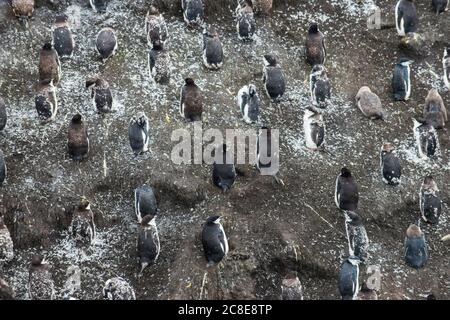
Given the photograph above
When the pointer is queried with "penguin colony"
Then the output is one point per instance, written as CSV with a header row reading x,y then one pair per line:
x,y
213,236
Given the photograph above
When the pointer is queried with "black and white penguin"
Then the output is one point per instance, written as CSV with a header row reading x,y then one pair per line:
x,y
430,201
426,139
291,288
434,111
118,289
159,63
138,133
406,19
45,101
401,80
82,227
265,155
49,65
446,67
391,170
416,250
144,202
273,78
346,193
62,37
246,24
155,26
212,49
191,101
440,6
349,278
314,128
3,170
193,11
320,87
223,173
248,103
367,293
99,5
78,139
358,241
40,282
148,246
3,114
100,94
23,9
369,103
106,43
315,46
6,243
214,240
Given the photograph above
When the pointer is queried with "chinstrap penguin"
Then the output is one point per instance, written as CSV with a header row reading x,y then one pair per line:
x,y
78,139
248,103
246,24
155,26
391,170
348,282
358,241
401,80
191,101
45,101
320,87
430,201
346,193
406,19
63,41
214,240
426,137
314,128
148,246
193,11
138,133
223,173
273,78
416,250
144,202
101,95
212,49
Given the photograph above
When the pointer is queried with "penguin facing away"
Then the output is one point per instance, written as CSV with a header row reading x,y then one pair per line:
x,y
426,139
40,282
138,133
101,95
49,65
358,241
106,43
273,78
6,244
155,25
191,101
314,128
148,245
320,87
193,11
369,104
224,174
315,46
246,24
401,80
144,202
406,19
78,139
346,193
430,201
212,49
248,103
434,111
46,102
348,282
118,289
82,226
391,170
63,41
214,240
416,250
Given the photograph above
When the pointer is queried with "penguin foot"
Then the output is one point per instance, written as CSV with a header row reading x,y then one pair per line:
x,y
279,181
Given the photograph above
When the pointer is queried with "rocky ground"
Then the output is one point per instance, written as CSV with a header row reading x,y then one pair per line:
x,y
272,229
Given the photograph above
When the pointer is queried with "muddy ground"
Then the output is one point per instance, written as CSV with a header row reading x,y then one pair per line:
x,y
272,229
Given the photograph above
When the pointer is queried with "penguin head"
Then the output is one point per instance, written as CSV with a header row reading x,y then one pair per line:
x,y
413,231
318,71
418,122
77,118
47,46
252,90
353,218
354,260
84,204
429,183
345,172
387,147
213,220
147,220
210,31
141,119
189,81
61,19
153,11
270,60
246,3
158,45
313,28
37,260
91,82
309,111
405,62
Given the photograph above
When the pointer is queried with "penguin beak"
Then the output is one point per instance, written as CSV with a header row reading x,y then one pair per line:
x,y
143,266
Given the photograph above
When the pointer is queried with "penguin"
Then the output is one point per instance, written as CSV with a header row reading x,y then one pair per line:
x,y
99,5
391,170
291,288
6,292
144,202
426,139
273,78
214,240
440,6
416,251
369,104
264,154
106,43
406,19
40,282
159,63
3,170
23,9
346,193
62,37
49,65
45,101
100,93
401,80
156,28
78,139
246,24
348,282
315,46
212,49
82,227
6,244
138,133
3,115
434,111
191,101
320,87
118,289
223,173
358,241
314,128
248,103
192,12
430,201
148,246
366,293
446,67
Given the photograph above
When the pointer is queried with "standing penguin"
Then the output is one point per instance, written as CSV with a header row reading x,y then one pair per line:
x,y
159,63
401,80
346,193
273,78
223,173
45,101
212,49
416,251
358,241
148,246
246,24
155,26
192,12
62,37
49,65
248,102
40,282
214,240
191,101
82,226
320,87
3,170
314,128
78,139
349,278
430,201
106,43
100,94
3,115
291,288
369,104
118,289
406,19
434,111
426,139
6,244
99,5
144,202
138,133
267,157
391,170
315,46
446,67
23,9
440,6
